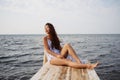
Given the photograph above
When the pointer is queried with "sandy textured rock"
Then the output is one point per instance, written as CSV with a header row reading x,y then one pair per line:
x,y
52,72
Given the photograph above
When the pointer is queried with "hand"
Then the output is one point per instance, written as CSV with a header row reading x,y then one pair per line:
x,y
60,56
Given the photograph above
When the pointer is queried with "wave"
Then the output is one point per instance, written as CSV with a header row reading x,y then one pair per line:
x,y
13,56
34,48
23,55
12,49
6,57
7,61
31,61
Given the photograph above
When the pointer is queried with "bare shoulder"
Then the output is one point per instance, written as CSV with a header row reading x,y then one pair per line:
x,y
44,38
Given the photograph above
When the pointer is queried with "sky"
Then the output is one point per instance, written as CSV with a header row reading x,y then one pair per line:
x,y
67,16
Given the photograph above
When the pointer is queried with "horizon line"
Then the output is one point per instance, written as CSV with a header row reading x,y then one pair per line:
x,y
61,34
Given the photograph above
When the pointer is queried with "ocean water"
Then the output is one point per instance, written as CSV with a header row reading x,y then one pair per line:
x,y
21,56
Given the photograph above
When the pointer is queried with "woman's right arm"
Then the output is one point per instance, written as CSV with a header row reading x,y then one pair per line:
x,y
46,47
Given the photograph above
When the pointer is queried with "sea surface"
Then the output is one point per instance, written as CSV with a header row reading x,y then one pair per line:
x,y
21,56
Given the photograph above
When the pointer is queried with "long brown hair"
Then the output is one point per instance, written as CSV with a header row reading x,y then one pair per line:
x,y
53,37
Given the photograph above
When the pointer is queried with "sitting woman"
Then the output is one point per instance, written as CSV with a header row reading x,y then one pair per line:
x,y
58,55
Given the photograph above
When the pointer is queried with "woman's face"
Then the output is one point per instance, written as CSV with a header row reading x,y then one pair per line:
x,y
47,29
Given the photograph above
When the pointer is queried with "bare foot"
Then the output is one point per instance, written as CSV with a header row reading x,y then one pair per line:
x,y
92,66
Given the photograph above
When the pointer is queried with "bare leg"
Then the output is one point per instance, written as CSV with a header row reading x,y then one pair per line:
x,y
65,62
67,48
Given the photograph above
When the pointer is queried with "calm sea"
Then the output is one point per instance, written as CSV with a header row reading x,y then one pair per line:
x,y
21,55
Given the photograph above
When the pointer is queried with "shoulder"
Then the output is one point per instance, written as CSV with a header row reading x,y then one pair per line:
x,y
44,38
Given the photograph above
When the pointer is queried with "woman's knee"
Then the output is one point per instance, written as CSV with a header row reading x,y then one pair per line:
x,y
67,44
65,47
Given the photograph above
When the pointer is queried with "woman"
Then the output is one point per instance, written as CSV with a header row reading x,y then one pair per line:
x,y
57,55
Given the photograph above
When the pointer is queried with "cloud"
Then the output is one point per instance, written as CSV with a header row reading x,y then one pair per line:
x,y
68,13
66,6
